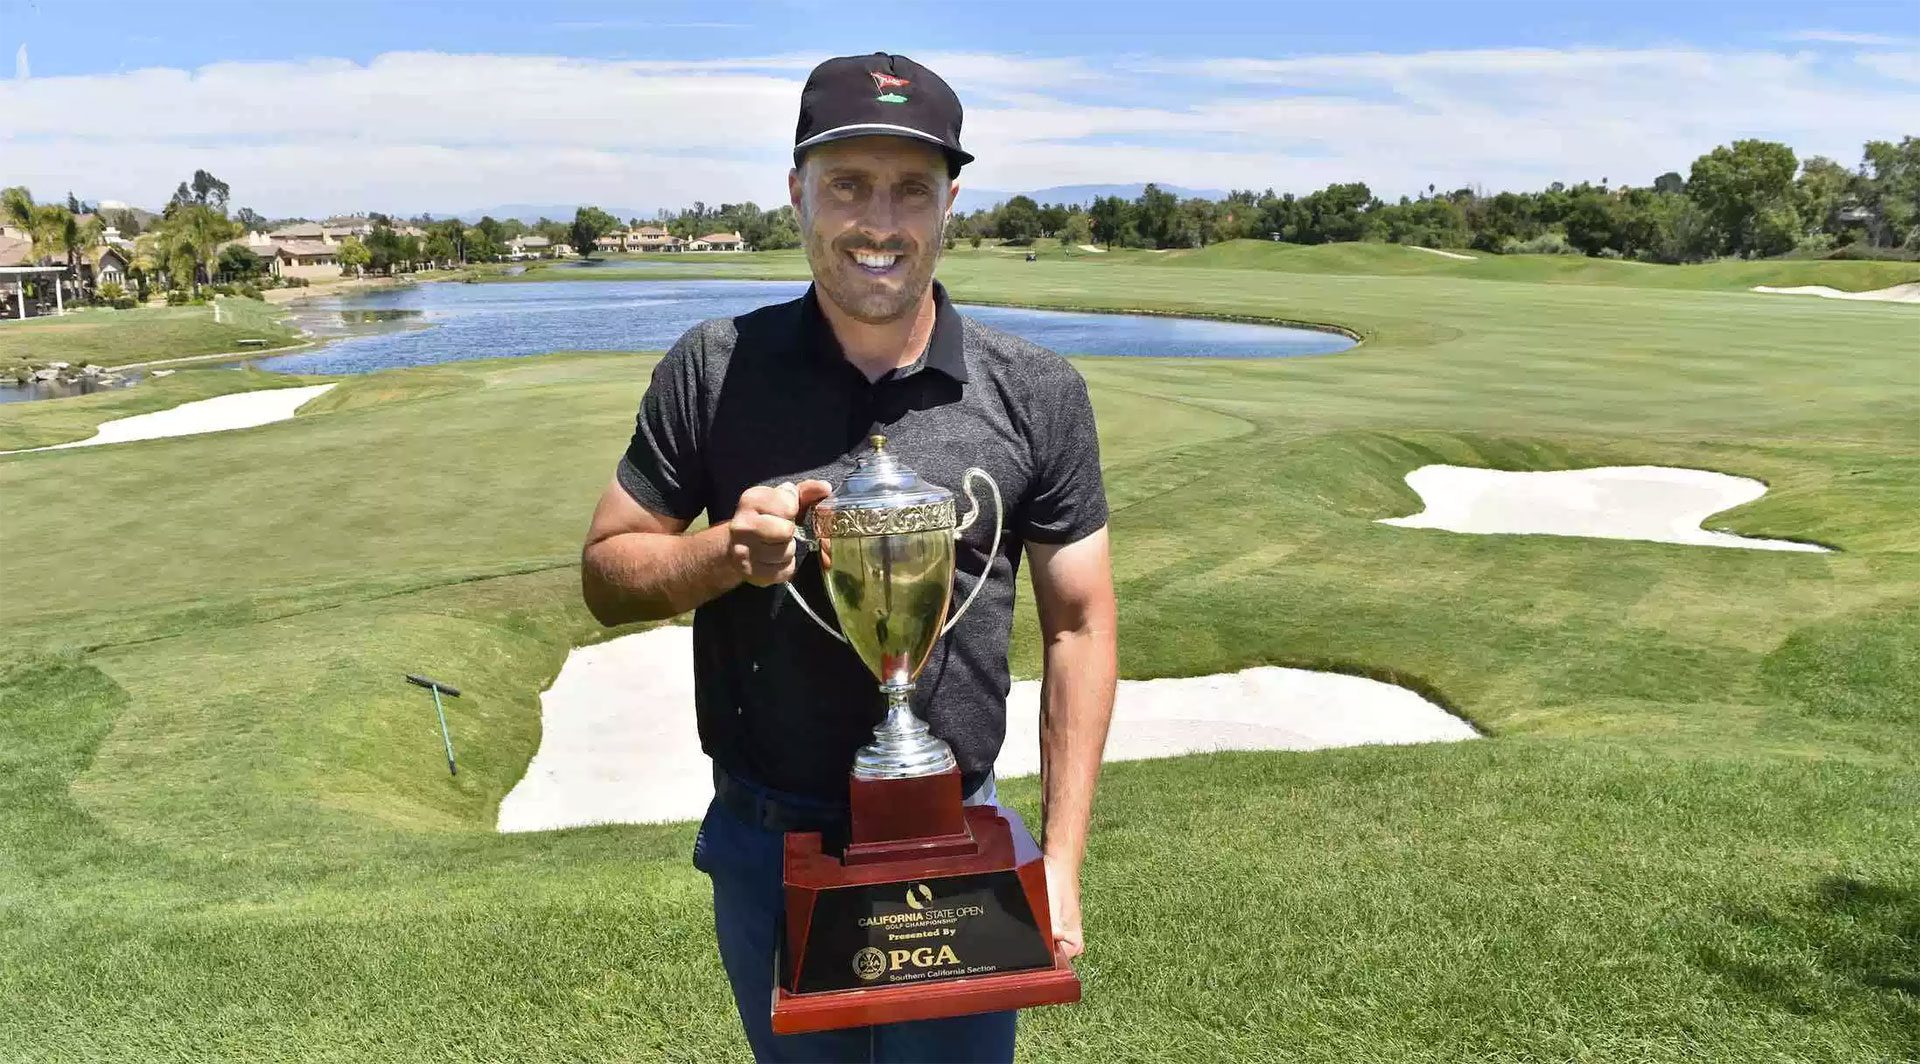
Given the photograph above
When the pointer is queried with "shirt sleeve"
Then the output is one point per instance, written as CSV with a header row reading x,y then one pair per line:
x,y
663,467
1067,500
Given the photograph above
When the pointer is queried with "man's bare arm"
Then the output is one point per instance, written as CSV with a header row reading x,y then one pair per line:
x,y
1073,587
638,565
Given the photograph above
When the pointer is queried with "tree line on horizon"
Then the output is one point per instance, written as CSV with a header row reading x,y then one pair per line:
x,y
1751,198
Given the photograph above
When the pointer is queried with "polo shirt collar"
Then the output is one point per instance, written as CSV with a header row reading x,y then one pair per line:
x,y
946,349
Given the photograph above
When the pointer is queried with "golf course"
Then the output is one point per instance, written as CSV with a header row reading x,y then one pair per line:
x,y
1689,831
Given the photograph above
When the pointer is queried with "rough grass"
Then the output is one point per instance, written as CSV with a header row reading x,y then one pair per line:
x,y
228,832
117,337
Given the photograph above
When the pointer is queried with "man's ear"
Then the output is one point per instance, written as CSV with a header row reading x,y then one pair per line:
x,y
793,188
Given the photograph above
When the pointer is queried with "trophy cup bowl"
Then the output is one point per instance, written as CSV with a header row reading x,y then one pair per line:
x,y
932,908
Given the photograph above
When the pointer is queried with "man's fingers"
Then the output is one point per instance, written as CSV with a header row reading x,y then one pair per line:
x,y
765,527
812,491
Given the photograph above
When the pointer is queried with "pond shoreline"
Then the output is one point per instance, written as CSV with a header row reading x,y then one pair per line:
x,y
348,294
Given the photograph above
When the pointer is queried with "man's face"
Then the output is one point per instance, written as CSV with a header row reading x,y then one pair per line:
x,y
872,212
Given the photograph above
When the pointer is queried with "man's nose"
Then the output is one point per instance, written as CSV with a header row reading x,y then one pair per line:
x,y
882,213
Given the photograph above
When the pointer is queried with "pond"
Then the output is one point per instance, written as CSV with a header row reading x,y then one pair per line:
x,y
450,322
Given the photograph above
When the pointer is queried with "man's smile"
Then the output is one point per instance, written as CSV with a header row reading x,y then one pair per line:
x,y
876,263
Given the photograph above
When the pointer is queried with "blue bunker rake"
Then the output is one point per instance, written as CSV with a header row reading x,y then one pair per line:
x,y
454,692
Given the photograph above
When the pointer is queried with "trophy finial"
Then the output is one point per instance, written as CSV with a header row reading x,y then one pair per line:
x,y
878,441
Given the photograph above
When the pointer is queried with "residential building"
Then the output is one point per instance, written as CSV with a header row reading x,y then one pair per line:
x,y
717,242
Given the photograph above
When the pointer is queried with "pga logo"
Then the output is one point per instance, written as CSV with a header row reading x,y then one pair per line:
x,y
871,963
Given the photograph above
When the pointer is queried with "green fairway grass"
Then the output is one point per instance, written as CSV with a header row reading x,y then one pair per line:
x,y
117,337
1353,259
227,830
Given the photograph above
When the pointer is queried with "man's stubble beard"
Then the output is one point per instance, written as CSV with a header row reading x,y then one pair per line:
x,y
830,266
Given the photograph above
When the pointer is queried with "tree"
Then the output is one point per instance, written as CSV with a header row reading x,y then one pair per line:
x,y
1590,225
1019,221
1077,230
354,255
238,262
1156,213
589,225
1736,185
209,191
1111,218
1670,184
1891,190
249,219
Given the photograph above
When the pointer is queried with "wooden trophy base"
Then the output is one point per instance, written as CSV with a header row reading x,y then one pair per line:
x,y
935,909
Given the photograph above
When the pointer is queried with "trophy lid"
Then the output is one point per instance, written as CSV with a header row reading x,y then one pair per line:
x,y
879,480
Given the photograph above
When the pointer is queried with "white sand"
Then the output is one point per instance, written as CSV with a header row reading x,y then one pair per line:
x,y
1656,503
618,744
1900,293
1095,248
240,410
1442,254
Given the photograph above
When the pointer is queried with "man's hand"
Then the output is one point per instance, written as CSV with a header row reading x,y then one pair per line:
x,y
1063,898
760,533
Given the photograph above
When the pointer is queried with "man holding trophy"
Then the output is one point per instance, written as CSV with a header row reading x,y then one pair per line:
x,y
872,900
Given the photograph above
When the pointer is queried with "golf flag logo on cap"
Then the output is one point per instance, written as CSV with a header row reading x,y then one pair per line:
x,y
884,84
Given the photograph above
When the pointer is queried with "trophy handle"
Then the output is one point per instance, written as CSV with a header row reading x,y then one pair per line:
x,y
804,541
999,519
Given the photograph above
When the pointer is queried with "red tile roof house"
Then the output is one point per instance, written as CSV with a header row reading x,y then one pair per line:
x,y
717,242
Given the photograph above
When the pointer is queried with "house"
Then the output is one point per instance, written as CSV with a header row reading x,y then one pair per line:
x,y
105,264
315,260
717,242
349,225
654,238
529,247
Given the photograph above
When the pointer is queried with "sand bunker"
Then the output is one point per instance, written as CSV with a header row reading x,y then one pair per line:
x,y
240,410
1096,249
1442,254
618,744
1900,293
1656,503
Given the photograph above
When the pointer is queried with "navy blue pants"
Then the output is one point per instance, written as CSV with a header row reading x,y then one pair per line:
x,y
743,860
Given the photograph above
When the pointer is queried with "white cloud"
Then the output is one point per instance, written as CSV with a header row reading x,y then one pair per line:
x,y
21,69
1900,66
411,131
1842,37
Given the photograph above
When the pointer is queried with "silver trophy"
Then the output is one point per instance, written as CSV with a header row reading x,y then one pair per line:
x,y
885,539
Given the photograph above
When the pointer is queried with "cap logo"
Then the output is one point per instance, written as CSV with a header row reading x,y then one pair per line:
x,y
885,83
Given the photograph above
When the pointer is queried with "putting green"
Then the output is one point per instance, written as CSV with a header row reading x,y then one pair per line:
x,y
228,830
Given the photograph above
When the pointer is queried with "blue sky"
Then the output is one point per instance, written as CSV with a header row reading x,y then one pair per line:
x,y
407,106
69,37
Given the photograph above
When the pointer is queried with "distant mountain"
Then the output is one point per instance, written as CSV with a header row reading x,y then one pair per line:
x,y
533,212
975,199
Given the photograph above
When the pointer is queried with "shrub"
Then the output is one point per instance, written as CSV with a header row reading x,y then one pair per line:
x,y
247,291
1869,252
176,297
124,303
974,241
296,282
112,291
1544,244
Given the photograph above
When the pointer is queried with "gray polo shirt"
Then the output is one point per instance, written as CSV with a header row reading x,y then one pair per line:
x,y
768,397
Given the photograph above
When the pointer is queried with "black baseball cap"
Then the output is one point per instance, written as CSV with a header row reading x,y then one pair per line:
x,y
878,95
